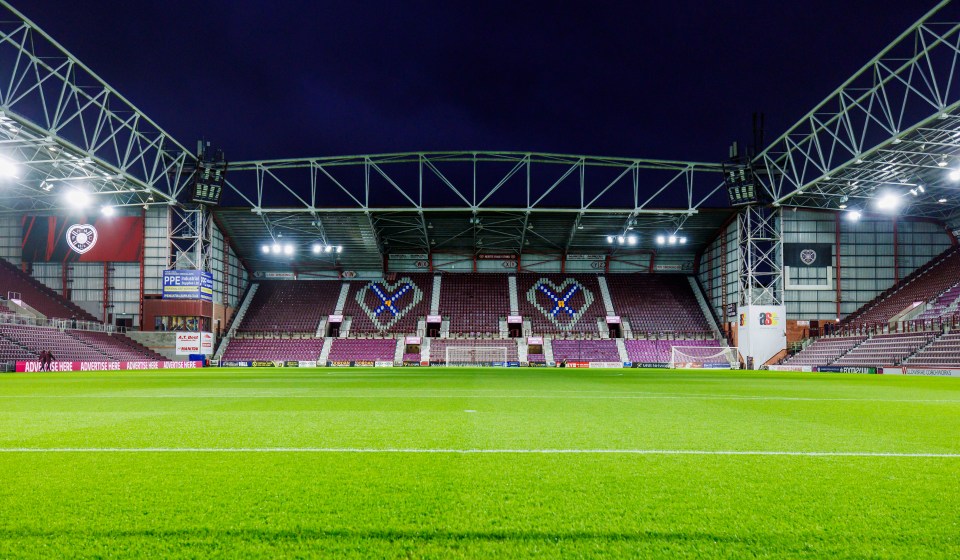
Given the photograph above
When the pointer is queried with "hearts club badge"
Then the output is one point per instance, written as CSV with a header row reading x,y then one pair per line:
x,y
808,256
81,238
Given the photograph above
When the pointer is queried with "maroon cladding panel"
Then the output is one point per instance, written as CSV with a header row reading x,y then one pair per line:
x,y
82,238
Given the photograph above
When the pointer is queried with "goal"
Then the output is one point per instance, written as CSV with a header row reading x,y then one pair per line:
x,y
704,357
476,356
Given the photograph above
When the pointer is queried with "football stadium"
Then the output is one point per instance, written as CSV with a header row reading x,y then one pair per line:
x,y
474,353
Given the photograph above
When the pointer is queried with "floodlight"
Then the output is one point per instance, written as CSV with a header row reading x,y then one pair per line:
x,y
683,240
609,239
843,206
108,210
661,240
266,249
888,201
328,248
7,168
620,239
316,248
288,249
913,192
942,162
921,189
276,249
77,198
632,240
672,239
942,200
954,175
339,249
853,215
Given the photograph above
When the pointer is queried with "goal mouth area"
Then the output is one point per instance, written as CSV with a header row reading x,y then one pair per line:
x,y
704,357
476,356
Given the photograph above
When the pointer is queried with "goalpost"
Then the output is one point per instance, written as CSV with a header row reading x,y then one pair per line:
x,y
476,355
704,357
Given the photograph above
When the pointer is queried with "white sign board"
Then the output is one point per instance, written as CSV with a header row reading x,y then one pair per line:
x,y
194,343
761,332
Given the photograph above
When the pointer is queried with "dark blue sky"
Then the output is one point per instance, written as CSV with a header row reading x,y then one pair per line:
x,y
673,80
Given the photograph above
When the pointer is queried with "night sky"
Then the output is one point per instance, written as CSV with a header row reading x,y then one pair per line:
x,y
673,80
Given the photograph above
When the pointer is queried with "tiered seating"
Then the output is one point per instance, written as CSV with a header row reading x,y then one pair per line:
x,y
943,304
398,312
11,351
411,357
945,351
246,349
593,350
537,358
923,287
660,351
475,303
116,346
587,304
65,348
290,306
38,296
885,349
366,349
656,303
438,347
824,351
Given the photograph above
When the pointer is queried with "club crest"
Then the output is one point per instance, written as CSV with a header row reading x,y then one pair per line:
x,y
81,238
563,305
387,303
808,256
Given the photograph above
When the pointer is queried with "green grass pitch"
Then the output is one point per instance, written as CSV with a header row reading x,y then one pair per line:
x,y
365,463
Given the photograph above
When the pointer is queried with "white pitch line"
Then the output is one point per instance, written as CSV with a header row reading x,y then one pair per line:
x,y
488,396
414,451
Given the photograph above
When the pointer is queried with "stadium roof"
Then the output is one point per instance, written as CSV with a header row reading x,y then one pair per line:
x,y
890,130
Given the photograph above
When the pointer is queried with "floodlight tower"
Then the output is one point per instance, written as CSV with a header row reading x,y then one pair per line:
x,y
761,311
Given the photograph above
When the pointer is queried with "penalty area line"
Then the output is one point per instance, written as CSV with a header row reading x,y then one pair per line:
x,y
415,451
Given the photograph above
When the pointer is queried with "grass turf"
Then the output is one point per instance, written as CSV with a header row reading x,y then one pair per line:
x,y
294,497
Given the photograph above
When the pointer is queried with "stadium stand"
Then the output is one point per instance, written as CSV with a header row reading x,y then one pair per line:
x,y
659,351
393,305
63,346
943,351
656,304
943,305
824,351
290,306
537,294
590,350
924,285
475,303
115,346
38,296
11,351
363,349
243,349
885,349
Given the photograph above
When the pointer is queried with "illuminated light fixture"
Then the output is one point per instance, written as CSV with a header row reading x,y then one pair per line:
x,y
316,249
339,249
683,240
897,140
942,162
921,189
609,239
661,240
7,168
913,192
888,202
108,211
579,226
77,198
942,200
672,239
954,175
328,248
265,249
632,240
853,215
288,249
620,239
276,249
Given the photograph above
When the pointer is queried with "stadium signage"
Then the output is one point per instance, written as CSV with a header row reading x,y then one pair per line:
x,y
276,275
334,318
187,284
613,320
34,367
534,340
936,372
791,368
605,365
194,343
808,255
586,257
846,369
382,363
432,319
651,365
512,319
494,257
679,267
412,340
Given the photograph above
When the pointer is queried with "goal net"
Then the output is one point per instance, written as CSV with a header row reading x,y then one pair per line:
x,y
476,355
704,357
